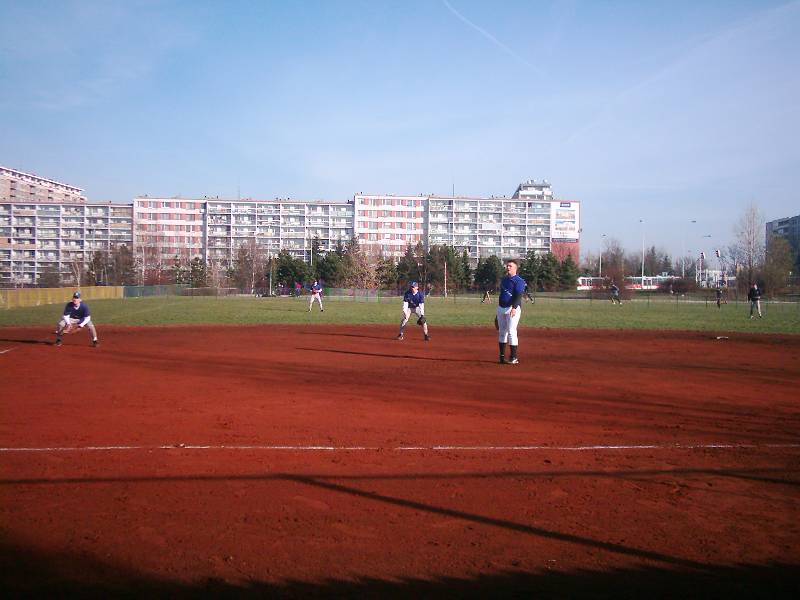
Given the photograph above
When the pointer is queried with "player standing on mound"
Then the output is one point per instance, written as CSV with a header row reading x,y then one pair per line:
x,y
316,294
76,314
509,311
414,300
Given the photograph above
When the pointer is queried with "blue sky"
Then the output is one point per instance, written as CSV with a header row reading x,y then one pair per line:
x,y
663,111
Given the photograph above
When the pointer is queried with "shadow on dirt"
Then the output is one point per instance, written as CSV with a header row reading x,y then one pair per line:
x,y
33,574
50,342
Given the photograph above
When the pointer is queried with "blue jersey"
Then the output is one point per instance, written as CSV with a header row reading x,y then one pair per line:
x,y
414,300
511,290
80,313
316,288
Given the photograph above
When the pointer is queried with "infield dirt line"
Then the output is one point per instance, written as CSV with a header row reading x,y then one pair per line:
x,y
591,448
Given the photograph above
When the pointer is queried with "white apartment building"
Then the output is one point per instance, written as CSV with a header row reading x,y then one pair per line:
x,y
18,186
46,225
39,237
388,224
275,225
531,220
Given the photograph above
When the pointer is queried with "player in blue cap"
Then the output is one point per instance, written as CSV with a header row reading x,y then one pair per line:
x,y
76,314
414,300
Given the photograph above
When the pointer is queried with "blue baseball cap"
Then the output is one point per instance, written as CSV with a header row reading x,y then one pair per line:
x,y
76,295
414,284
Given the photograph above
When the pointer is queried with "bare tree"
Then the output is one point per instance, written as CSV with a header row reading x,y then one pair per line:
x,y
749,244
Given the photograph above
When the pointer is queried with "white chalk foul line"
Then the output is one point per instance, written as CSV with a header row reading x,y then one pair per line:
x,y
410,448
7,350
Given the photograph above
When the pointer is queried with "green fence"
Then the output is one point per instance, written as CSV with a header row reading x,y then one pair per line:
x,y
143,291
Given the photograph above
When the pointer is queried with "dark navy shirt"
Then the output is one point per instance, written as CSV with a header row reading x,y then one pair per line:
x,y
316,288
414,300
80,313
511,288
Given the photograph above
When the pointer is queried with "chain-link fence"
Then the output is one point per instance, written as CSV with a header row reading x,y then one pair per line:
x,y
145,291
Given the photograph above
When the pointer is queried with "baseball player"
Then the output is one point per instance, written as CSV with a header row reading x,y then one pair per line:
x,y
615,294
718,295
509,311
754,295
316,294
76,314
414,300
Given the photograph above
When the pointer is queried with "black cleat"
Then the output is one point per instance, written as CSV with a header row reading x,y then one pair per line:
x,y
427,338
95,343
58,342
502,360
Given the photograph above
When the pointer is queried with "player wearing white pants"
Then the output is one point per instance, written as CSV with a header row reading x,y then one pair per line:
x,y
414,301
507,325
76,312
509,311
316,294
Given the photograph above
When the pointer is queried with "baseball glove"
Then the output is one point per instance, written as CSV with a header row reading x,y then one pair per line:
x,y
496,323
70,329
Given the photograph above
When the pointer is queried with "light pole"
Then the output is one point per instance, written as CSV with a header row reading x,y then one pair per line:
x,y
600,273
683,257
702,256
642,222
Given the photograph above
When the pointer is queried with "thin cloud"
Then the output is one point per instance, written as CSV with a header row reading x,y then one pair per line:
x,y
491,38
752,28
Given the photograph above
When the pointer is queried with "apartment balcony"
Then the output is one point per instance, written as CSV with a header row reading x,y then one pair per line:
x,y
25,212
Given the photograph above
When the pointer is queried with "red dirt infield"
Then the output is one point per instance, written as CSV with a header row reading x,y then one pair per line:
x,y
324,461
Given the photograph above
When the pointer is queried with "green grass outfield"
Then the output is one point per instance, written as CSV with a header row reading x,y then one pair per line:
x,y
546,312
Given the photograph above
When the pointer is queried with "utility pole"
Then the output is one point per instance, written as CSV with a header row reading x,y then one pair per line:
x,y
445,278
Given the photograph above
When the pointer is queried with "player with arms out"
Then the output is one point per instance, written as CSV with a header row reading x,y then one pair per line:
x,y
76,315
509,311
316,294
414,300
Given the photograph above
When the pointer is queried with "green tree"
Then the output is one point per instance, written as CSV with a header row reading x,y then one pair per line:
x,y
549,272
50,277
530,270
198,272
316,256
123,266
97,269
387,273
488,273
466,270
408,267
568,274
290,269
329,269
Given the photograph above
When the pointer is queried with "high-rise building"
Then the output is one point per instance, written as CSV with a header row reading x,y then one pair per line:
x,y
788,228
17,186
47,226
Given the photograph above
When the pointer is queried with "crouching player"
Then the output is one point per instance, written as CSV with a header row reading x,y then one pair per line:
x,y
414,300
76,314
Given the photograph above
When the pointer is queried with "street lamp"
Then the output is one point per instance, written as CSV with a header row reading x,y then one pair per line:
x,y
702,257
683,257
642,222
600,274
